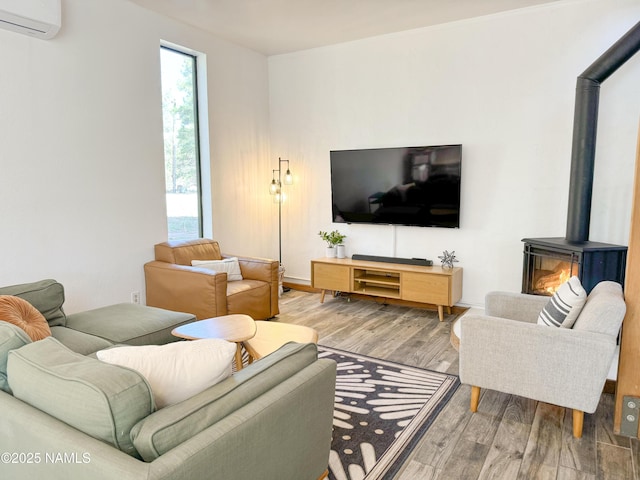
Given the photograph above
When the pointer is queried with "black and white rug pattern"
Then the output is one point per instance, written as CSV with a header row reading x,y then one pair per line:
x,y
381,410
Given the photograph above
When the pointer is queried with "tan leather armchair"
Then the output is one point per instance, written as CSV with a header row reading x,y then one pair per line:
x,y
172,283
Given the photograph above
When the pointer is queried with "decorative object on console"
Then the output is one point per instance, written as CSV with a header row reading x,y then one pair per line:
x,y
275,189
334,239
447,259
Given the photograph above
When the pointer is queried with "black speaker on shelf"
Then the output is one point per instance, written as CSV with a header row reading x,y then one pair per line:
x,y
405,261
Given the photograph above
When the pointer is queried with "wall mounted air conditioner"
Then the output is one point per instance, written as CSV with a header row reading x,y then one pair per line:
x,y
37,18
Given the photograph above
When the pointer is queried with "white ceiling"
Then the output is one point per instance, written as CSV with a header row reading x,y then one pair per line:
x,y
282,26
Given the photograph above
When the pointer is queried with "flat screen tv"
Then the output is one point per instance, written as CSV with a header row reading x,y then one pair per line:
x,y
417,186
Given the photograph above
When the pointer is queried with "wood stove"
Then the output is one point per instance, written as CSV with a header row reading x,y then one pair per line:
x,y
549,262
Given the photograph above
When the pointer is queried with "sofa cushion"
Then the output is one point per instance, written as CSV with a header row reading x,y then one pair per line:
x,y
130,324
104,401
22,314
179,370
230,266
11,337
604,310
46,295
79,342
565,305
171,426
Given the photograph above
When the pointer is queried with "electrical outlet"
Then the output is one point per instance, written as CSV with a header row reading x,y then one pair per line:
x,y
135,297
630,414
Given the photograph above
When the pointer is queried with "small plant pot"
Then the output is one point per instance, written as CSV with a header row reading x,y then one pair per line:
x,y
340,252
331,252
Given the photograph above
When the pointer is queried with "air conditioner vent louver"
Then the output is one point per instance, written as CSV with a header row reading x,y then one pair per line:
x,y
37,18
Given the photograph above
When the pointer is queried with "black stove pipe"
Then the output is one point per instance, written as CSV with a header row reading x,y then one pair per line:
x,y
585,122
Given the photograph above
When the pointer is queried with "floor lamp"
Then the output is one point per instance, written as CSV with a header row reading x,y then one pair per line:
x,y
275,189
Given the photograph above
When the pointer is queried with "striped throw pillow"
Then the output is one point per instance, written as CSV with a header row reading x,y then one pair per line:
x,y
565,305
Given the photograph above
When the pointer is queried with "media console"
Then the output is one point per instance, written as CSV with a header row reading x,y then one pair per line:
x,y
424,284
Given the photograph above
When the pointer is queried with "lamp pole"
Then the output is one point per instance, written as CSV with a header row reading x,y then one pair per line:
x,y
280,212
276,189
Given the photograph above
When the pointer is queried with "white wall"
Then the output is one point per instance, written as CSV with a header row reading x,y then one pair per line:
x,y
504,87
81,166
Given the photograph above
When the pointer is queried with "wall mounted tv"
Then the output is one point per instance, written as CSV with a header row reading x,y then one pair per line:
x,y
417,186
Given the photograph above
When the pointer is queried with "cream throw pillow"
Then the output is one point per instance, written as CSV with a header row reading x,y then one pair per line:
x,y
565,305
178,370
230,266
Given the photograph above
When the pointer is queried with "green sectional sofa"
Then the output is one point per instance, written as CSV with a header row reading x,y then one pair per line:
x,y
67,415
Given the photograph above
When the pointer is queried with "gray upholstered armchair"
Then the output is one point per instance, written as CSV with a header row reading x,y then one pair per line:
x,y
506,350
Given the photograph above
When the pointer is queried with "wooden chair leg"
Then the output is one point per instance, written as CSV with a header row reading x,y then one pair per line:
x,y
324,475
475,398
578,421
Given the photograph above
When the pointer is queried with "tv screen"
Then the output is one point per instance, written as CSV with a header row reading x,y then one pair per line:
x,y
417,186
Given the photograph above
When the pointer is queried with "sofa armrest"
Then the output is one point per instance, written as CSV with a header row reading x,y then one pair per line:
x,y
515,306
287,432
199,291
86,457
555,365
254,268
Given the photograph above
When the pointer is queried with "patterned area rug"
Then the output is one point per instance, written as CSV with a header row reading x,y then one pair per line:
x,y
381,411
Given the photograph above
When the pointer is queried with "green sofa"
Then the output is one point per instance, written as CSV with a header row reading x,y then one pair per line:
x,y
67,415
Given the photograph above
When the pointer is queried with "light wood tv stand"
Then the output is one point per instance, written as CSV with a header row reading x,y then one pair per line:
x,y
433,285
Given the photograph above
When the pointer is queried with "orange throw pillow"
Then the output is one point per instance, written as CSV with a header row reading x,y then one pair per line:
x,y
24,315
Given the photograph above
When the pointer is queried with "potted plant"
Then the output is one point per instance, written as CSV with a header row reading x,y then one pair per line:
x,y
333,239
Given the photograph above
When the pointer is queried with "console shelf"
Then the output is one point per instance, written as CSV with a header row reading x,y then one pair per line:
x,y
433,285
376,282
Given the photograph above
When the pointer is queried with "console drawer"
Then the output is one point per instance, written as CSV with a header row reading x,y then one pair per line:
x,y
425,288
331,277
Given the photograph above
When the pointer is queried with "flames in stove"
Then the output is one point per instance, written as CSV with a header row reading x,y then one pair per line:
x,y
546,282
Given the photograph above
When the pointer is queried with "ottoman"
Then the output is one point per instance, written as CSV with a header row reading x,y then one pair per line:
x,y
129,323
270,336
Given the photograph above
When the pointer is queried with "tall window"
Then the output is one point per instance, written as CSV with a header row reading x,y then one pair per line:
x,y
181,144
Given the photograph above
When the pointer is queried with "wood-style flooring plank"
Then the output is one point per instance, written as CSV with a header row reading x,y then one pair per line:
x,y
439,443
521,409
577,453
504,458
542,454
566,473
484,423
614,463
414,470
635,457
466,460
604,423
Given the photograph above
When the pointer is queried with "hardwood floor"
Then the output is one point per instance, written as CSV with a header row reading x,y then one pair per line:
x,y
508,438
